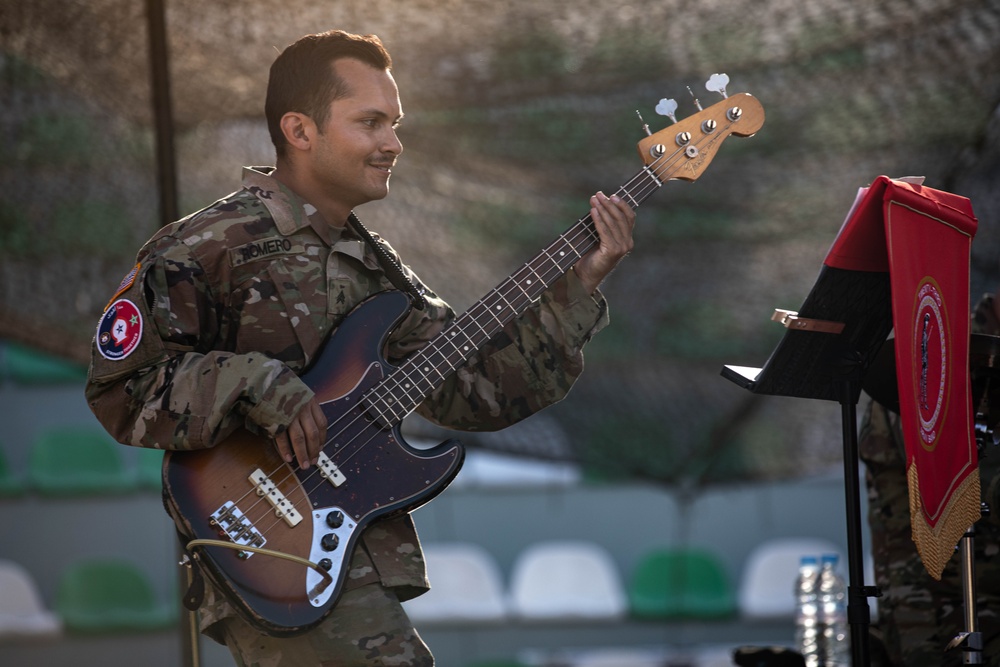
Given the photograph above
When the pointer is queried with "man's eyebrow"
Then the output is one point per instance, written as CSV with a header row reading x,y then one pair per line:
x,y
378,113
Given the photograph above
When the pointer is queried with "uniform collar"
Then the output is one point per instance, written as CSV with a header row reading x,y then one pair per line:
x,y
292,213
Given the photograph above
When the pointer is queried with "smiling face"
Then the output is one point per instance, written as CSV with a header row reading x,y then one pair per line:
x,y
353,152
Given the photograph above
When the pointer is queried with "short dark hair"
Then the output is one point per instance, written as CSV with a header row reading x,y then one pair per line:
x,y
302,78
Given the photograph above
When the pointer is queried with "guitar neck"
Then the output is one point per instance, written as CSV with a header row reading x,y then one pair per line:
x,y
403,390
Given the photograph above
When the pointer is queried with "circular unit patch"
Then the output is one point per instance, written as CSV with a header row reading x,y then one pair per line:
x,y
930,361
119,331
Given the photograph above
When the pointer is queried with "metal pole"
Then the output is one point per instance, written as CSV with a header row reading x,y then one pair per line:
x,y
858,611
971,640
166,173
163,119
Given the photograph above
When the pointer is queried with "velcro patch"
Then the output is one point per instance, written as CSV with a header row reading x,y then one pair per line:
x,y
263,249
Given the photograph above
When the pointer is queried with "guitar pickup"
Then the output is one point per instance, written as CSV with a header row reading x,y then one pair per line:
x,y
329,471
268,489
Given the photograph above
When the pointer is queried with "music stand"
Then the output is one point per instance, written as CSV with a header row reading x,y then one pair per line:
x,y
828,347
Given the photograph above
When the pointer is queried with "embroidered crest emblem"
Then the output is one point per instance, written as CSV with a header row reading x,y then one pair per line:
x,y
930,362
119,331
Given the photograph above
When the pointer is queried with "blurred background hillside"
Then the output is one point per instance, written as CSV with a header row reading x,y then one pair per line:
x,y
515,112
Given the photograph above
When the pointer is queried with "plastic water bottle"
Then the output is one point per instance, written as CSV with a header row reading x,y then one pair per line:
x,y
834,639
807,620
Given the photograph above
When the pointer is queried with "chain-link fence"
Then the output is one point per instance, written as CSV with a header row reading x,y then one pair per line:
x,y
515,112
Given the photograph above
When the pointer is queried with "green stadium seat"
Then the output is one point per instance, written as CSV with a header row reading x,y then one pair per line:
x,y
679,584
10,483
149,468
109,596
24,365
78,461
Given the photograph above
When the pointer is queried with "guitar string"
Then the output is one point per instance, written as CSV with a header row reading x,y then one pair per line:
x,y
581,231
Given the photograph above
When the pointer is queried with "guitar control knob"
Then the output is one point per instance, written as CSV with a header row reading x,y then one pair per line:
x,y
326,564
330,542
335,519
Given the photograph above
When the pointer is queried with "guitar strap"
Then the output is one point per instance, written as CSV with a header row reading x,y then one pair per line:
x,y
393,271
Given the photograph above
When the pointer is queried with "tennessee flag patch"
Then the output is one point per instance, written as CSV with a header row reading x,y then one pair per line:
x,y
119,331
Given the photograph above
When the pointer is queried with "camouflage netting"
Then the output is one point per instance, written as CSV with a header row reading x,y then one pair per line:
x,y
516,111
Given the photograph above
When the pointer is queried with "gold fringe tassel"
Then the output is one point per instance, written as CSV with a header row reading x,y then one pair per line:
x,y
936,545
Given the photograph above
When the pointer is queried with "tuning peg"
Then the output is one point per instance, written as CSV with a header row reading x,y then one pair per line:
x,y
697,102
717,84
667,107
645,127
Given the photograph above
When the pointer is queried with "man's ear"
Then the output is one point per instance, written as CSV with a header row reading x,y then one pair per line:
x,y
299,130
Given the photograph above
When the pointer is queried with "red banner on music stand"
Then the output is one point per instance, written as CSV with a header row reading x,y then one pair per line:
x,y
923,237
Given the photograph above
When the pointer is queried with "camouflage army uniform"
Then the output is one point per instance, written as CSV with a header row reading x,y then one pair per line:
x,y
917,615
228,305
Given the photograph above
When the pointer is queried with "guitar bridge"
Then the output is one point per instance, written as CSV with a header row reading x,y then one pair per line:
x,y
232,523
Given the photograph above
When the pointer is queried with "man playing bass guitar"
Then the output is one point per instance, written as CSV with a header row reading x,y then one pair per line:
x,y
226,308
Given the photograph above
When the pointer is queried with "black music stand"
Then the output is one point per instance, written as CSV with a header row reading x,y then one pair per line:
x,y
829,345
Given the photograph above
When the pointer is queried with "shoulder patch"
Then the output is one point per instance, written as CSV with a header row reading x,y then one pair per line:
x,y
263,249
119,331
126,283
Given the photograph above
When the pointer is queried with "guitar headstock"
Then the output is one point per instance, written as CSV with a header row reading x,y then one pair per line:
x,y
686,148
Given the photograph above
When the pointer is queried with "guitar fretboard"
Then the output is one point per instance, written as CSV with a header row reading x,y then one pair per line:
x,y
398,394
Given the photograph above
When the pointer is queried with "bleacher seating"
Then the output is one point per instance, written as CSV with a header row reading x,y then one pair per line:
x,y
566,580
681,583
466,586
767,582
27,366
149,468
111,595
70,460
11,483
22,611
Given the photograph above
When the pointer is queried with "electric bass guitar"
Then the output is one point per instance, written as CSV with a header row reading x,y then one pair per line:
x,y
278,540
